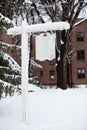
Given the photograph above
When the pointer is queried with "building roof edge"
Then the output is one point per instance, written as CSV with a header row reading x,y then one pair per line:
x,y
79,22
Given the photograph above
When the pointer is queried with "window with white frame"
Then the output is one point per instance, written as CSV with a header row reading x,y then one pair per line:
x,y
81,72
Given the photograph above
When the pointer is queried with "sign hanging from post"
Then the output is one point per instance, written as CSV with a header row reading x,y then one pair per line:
x,y
24,30
45,46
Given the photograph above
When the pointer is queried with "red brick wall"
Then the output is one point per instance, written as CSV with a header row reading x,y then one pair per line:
x,y
8,39
45,78
5,38
79,46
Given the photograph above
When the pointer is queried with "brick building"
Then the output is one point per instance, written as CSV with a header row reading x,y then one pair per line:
x,y
79,55
77,71
46,74
8,39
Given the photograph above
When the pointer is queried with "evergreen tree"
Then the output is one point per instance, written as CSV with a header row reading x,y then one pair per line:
x,y
10,74
18,10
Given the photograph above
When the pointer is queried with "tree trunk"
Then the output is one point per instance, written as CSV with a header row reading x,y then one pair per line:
x,y
62,62
62,69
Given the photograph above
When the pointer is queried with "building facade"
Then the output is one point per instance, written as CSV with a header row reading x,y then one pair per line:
x,y
79,53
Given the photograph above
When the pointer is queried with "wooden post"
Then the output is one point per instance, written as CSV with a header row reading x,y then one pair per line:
x,y
24,80
24,30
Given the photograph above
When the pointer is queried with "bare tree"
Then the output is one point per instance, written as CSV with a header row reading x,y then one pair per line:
x,y
64,10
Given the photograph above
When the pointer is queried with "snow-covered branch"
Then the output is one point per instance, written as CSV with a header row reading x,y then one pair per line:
x,y
12,63
5,19
5,46
77,23
4,22
34,64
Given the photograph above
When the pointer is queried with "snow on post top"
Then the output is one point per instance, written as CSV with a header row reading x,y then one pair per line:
x,y
49,26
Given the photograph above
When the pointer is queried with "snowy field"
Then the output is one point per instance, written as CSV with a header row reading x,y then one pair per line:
x,y
49,109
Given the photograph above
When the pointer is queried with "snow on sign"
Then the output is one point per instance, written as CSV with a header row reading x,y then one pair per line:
x,y
45,46
24,30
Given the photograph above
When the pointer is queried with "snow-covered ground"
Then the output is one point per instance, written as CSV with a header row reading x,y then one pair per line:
x,y
49,109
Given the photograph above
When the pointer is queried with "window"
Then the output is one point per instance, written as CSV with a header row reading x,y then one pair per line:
x,y
52,62
81,72
52,74
80,55
80,36
41,73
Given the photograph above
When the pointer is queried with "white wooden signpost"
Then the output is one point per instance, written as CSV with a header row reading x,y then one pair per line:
x,y
24,30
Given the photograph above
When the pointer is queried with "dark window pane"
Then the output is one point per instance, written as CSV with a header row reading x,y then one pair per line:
x,y
80,36
52,62
41,73
80,55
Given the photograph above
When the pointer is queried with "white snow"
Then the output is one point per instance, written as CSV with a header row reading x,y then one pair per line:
x,y
45,46
49,109
49,26
28,2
